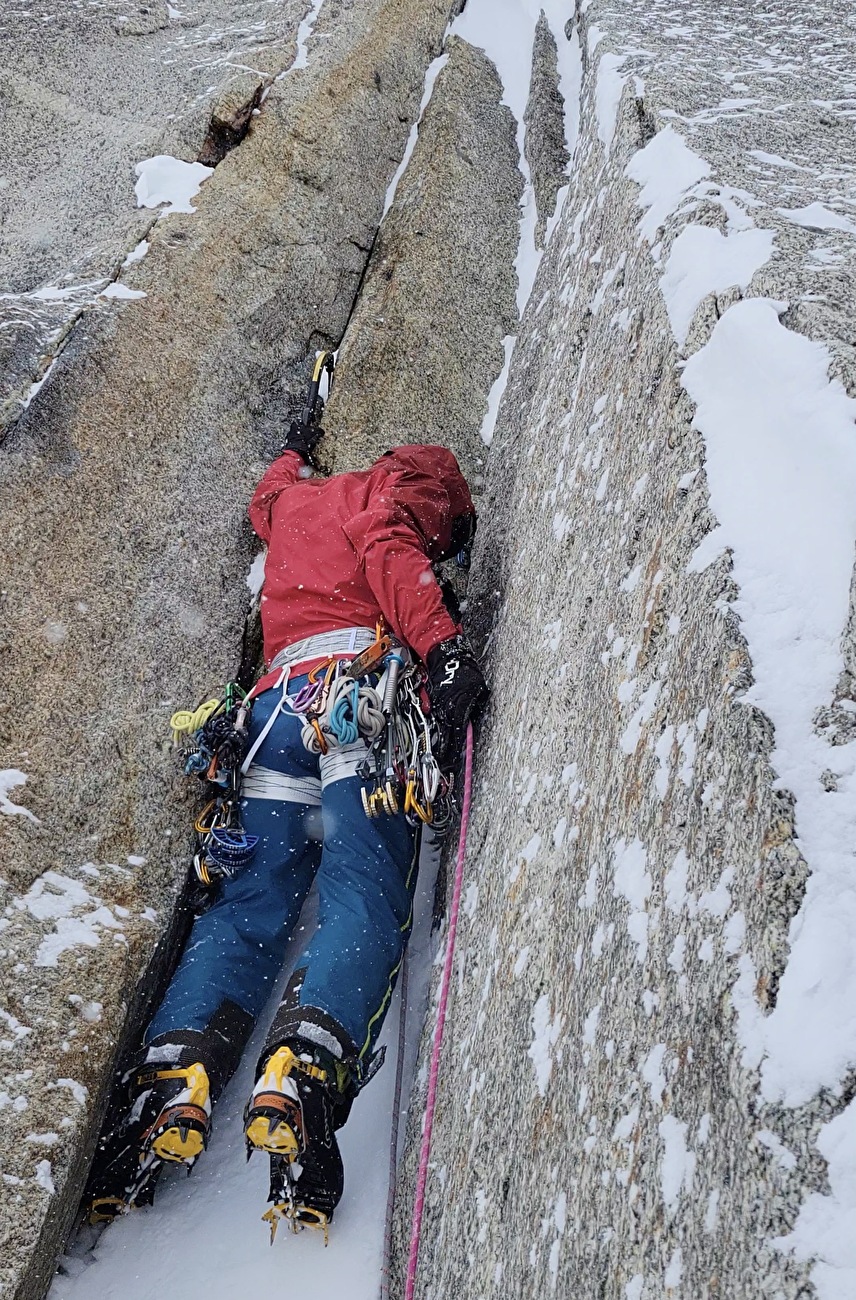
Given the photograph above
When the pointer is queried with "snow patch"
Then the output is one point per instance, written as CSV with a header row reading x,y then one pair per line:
x,y
434,69
56,897
10,777
170,181
781,467
678,1167
632,881
610,84
136,254
546,1029
117,290
777,1148
633,731
497,389
814,216
703,261
823,1231
665,169
653,1073
674,1272
708,551
304,31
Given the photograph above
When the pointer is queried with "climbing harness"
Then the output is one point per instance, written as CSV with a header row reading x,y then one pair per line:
x,y
377,697
214,738
400,769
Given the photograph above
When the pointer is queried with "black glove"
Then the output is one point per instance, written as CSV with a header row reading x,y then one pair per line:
x,y
458,692
302,438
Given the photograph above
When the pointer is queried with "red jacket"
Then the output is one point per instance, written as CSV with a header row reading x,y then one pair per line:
x,y
344,550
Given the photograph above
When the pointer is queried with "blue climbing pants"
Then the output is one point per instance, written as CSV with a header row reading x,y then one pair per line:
x,y
307,812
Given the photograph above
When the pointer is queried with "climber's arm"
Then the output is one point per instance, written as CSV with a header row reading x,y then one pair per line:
x,y
400,575
284,471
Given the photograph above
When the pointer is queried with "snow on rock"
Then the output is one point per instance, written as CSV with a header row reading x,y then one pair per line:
x,y
164,180
653,1074
14,1027
632,881
824,1231
117,290
434,69
256,576
505,30
57,897
678,1166
546,1029
816,216
781,465
136,254
11,777
701,261
669,219
665,169
674,1272
77,1090
777,1148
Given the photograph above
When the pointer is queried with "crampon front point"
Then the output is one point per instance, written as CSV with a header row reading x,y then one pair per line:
x,y
287,1203
275,1121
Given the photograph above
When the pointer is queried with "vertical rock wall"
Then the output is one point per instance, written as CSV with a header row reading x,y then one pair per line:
x,y
633,871
424,344
123,494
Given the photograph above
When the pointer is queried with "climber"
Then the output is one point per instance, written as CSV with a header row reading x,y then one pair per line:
x,y
345,555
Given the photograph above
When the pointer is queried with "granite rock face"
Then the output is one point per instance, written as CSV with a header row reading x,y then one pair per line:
x,y
123,495
633,869
90,91
424,344
545,145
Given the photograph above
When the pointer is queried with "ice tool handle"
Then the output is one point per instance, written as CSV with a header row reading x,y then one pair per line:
x,y
310,414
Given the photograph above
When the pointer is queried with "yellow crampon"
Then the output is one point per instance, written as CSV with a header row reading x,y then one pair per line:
x,y
104,1209
274,1117
318,1222
180,1132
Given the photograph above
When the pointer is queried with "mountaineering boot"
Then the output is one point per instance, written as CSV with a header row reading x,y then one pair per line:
x,y
167,1120
183,1099
292,1116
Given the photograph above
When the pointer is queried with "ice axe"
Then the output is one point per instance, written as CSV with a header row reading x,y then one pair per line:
x,y
313,407
305,433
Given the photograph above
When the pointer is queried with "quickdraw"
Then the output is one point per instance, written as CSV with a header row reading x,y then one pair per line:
x,y
214,739
400,763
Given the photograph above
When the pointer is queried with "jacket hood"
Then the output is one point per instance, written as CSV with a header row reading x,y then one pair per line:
x,y
433,490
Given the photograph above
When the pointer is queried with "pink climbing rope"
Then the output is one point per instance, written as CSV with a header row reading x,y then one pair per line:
x,y
431,1101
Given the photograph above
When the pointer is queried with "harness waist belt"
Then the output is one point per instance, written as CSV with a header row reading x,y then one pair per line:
x,y
344,640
